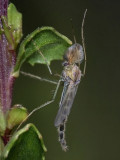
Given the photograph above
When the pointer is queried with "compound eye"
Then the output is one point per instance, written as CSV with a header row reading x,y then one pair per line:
x,y
65,57
65,63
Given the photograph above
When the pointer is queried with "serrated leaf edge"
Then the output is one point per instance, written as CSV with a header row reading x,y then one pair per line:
x,y
29,37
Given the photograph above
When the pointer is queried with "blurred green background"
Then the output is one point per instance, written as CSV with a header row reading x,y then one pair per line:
x,y
93,130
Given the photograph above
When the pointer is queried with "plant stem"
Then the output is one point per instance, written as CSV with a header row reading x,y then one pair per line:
x,y
7,62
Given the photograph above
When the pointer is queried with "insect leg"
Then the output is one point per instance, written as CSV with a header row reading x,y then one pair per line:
x,y
41,106
42,56
37,77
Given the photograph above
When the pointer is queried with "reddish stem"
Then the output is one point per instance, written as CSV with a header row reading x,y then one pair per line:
x,y
6,136
7,62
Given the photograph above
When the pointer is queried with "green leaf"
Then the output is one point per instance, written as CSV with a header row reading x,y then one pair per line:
x,y
15,23
1,147
2,123
12,26
7,31
47,40
16,115
26,144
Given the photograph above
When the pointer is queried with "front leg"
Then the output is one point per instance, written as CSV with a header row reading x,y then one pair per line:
x,y
38,78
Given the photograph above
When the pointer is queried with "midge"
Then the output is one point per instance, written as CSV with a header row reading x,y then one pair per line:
x,y
71,76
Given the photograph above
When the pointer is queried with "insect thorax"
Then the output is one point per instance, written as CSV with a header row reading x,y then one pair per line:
x,y
72,72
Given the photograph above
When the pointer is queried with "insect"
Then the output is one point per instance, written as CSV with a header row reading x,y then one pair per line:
x,y
71,76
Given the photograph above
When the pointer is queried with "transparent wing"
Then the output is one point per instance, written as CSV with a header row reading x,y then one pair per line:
x,y
68,95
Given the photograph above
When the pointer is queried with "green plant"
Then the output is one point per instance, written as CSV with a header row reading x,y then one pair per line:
x,y
26,143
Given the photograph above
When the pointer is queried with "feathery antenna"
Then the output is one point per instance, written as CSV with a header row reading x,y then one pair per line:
x,y
73,31
83,43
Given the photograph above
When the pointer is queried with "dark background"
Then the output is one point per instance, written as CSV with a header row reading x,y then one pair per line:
x,y
93,131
